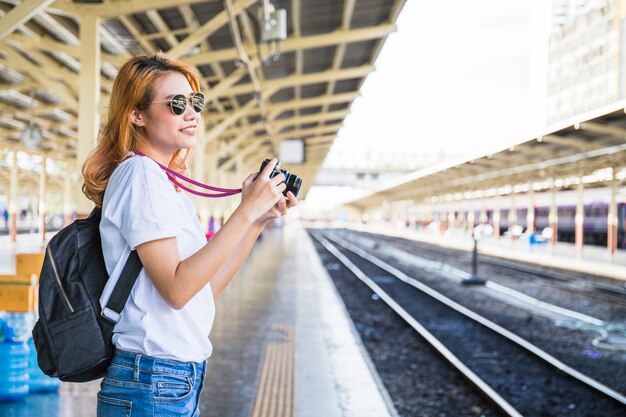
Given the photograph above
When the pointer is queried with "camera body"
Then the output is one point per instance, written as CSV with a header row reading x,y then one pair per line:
x,y
292,181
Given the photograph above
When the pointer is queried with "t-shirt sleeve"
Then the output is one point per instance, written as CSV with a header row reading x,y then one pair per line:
x,y
142,203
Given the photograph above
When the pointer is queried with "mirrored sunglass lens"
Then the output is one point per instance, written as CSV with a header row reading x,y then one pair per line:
x,y
197,101
178,104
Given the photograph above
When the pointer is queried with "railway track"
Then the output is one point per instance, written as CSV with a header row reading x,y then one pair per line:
x,y
491,266
517,376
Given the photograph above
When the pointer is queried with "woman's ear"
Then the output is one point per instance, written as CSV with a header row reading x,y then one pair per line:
x,y
136,117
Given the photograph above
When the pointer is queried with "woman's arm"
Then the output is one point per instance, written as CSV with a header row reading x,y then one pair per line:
x,y
232,265
179,281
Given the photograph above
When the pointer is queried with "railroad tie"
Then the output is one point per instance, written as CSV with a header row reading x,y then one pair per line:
x,y
275,390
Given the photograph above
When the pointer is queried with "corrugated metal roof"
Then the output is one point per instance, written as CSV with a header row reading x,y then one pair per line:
x,y
328,51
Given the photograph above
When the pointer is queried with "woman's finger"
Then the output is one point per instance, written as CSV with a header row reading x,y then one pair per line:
x,y
291,199
282,206
278,179
250,179
269,167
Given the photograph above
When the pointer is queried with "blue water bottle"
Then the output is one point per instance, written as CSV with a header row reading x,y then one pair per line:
x,y
14,369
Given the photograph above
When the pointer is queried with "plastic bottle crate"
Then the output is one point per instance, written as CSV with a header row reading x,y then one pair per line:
x,y
14,370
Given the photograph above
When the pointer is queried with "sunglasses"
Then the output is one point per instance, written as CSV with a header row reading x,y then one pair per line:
x,y
178,103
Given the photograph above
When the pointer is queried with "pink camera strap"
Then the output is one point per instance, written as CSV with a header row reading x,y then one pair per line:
x,y
221,192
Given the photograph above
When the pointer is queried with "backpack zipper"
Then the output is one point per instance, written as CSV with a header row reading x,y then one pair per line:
x,y
56,275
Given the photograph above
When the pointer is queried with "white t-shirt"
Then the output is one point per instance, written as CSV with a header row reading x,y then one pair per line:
x,y
140,204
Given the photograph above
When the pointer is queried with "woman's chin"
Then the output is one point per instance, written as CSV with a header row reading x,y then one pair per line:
x,y
187,141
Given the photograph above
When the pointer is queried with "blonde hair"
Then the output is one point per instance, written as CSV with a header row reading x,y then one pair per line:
x,y
133,88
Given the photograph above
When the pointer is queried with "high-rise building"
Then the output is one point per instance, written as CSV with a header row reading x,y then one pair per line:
x,y
586,56
564,11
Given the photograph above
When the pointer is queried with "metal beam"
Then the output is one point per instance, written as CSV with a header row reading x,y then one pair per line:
x,y
229,121
312,118
37,73
20,15
207,29
314,131
571,142
305,42
311,78
313,102
131,26
115,8
48,44
606,129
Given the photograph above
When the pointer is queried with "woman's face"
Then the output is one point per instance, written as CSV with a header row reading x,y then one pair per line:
x,y
166,131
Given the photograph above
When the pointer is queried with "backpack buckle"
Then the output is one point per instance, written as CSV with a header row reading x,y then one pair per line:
x,y
109,316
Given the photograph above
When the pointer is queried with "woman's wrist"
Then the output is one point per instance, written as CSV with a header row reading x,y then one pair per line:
x,y
246,215
261,222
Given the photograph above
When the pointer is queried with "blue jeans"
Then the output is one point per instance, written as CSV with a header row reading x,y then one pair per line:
x,y
137,385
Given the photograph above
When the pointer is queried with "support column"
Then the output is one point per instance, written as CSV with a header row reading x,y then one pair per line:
x,y
42,199
611,240
496,222
553,218
451,221
471,220
89,98
579,219
512,214
13,199
530,214
483,213
496,219
67,196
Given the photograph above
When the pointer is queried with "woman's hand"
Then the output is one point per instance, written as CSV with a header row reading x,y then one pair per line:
x,y
261,194
280,208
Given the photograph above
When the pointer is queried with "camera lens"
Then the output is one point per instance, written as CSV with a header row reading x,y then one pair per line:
x,y
293,183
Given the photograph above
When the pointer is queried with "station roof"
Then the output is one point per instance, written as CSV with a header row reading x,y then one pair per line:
x,y
255,102
576,147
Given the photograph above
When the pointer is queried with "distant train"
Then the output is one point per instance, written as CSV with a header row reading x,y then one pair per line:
x,y
594,223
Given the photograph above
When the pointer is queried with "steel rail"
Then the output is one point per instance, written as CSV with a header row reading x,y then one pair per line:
x,y
603,291
484,321
445,270
485,388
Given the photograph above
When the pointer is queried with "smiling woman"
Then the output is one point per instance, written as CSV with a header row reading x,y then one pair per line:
x,y
161,343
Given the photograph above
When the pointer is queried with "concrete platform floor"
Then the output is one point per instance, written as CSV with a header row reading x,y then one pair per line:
x,y
281,299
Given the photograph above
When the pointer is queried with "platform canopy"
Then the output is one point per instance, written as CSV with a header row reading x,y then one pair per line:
x,y
257,99
559,154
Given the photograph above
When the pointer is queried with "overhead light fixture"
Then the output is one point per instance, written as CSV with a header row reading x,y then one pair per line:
x,y
272,27
31,136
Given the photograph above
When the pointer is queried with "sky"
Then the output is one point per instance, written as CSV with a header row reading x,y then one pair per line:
x,y
456,77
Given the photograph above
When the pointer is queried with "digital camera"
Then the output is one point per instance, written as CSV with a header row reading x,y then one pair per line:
x,y
292,181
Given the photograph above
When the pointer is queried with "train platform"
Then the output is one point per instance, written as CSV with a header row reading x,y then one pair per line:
x,y
593,260
283,343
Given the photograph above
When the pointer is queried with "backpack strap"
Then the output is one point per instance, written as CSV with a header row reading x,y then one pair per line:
x,y
122,288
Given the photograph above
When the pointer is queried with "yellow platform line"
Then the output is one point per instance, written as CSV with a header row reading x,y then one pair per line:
x,y
275,390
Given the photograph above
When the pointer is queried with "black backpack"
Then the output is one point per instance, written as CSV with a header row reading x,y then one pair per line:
x,y
72,337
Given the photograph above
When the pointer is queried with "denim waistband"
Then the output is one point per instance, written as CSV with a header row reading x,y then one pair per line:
x,y
157,365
